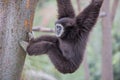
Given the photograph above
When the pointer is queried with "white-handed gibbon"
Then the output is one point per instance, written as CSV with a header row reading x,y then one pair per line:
x,y
66,49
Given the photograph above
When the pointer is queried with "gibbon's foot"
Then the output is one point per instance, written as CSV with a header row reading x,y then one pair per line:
x,y
31,36
24,45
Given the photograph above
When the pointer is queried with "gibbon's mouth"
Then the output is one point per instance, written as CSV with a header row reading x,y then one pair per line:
x,y
59,30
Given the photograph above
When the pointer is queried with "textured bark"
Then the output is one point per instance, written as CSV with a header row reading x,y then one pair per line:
x,y
0,48
16,17
107,70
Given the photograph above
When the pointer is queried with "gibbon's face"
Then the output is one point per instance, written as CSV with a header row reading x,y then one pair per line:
x,y
63,25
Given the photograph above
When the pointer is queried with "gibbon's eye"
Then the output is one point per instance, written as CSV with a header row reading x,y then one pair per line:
x,y
59,30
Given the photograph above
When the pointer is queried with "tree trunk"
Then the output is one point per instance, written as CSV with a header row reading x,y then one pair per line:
x,y
16,17
78,5
114,9
107,70
0,48
86,68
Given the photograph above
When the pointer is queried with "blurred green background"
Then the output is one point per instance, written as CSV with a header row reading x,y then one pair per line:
x,y
46,15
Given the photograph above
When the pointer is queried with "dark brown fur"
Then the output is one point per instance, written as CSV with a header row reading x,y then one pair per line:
x,y
66,52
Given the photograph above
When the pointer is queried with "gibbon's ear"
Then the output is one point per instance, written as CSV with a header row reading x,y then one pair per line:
x,y
24,45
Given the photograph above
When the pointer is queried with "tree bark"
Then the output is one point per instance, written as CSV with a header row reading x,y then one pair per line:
x,y
86,68
107,70
16,18
0,47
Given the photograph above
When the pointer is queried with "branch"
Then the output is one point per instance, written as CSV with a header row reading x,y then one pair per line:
x,y
42,29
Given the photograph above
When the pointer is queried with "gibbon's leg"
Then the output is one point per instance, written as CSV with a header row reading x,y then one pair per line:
x,y
65,9
42,38
61,63
33,42
52,50
39,48
88,17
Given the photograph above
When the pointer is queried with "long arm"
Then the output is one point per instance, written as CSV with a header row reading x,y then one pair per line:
x,y
65,9
88,17
39,48
44,38
41,44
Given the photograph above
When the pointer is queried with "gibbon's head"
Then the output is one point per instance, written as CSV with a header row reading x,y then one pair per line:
x,y
64,26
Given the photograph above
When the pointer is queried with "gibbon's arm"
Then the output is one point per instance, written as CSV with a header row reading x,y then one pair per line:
x,y
41,44
39,48
88,17
48,38
65,9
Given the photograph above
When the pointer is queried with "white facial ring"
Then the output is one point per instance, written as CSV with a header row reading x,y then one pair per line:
x,y
59,30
